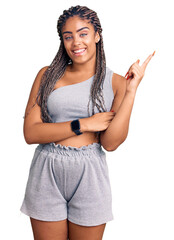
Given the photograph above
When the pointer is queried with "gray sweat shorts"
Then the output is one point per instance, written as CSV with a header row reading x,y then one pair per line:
x,y
71,183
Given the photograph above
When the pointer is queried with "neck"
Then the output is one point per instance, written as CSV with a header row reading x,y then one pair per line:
x,y
87,67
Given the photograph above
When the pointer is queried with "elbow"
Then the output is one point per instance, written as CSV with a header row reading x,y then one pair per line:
x,y
29,137
105,144
29,142
110,145
109,148
113,147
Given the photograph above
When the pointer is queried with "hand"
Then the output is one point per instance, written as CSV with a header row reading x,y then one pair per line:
x,y
99,121
136,73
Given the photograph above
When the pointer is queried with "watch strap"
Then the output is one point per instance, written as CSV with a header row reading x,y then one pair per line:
x,y
77,132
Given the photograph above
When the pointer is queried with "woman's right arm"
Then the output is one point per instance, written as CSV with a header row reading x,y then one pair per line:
x,y
35,131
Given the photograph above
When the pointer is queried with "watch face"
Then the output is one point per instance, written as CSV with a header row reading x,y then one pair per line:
x,y
75,125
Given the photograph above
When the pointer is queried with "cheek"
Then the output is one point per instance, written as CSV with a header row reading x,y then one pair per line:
x,y
90,43
67,48
92,46
66,45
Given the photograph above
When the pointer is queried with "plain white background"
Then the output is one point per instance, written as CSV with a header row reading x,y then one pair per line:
x,y
141,169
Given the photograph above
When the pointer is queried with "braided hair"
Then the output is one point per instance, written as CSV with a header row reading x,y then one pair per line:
x,y
57,68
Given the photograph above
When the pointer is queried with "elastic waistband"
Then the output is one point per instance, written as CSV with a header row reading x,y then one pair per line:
x,y
69,150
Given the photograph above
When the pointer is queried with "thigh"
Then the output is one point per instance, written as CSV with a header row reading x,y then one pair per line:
x,y
43,230
77,232
91,202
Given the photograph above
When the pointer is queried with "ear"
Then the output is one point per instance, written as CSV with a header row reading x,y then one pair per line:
x,y
97,37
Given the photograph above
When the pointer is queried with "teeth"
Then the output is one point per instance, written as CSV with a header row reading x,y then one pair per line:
x,y
78,51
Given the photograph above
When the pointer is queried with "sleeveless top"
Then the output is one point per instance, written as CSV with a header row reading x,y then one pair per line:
x,y
70,102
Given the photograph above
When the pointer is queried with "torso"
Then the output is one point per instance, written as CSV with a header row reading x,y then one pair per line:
x,y
87,137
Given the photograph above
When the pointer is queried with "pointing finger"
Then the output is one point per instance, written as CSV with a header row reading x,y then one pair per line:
x,y
144,65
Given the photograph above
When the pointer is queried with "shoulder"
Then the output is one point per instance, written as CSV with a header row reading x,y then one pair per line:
x,y
39,76
33,95
42,70
36,83
119,89
118,83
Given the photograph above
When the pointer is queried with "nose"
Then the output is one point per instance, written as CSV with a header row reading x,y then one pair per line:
x,y
76,41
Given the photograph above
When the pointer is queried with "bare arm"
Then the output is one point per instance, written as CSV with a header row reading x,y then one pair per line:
x,y
50,132
117,131
35,131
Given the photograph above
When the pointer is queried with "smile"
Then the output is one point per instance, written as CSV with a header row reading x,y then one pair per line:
x,y
79,52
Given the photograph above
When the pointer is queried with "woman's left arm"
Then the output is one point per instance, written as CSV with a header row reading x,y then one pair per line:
x,y
117,130
122,105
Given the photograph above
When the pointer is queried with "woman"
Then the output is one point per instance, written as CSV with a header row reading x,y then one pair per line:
x,y
68,193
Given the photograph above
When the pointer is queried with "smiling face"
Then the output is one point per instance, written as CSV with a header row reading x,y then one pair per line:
x,y
80,40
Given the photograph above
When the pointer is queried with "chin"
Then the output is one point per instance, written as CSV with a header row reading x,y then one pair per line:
x,y
79,61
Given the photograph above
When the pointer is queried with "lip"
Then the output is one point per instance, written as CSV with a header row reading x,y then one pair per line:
x,y
80,53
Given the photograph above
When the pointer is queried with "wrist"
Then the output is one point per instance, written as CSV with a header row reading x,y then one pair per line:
x,y
83,125
131,93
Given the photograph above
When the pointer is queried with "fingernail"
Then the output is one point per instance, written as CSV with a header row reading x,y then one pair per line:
x,y
127,77
126,73
138,60
153,53
112,110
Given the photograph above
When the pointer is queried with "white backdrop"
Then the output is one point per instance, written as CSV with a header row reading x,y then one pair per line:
x,y
141,169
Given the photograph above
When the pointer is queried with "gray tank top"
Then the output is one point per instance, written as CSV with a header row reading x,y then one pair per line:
x,y
70,102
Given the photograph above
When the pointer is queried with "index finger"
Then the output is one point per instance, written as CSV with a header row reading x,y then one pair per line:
x,y
144,65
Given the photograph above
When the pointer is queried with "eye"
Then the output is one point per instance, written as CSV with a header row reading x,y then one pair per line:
x,y
67,38
83,34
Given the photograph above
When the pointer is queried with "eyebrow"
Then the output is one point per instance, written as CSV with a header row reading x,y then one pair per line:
x,y
77,30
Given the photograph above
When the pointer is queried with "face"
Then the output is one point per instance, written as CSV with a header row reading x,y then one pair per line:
x,y
80,39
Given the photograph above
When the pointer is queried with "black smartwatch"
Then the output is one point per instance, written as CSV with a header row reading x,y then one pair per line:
x,y
75,127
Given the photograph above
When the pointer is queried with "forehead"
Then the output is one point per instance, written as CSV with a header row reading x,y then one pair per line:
x,y
74,23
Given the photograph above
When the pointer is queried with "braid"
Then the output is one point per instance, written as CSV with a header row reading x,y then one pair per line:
x,y
57,68
97,86
54,72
